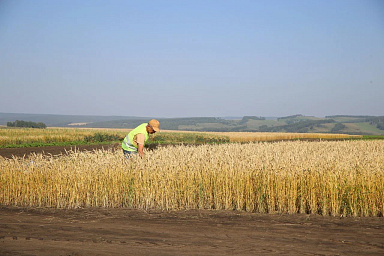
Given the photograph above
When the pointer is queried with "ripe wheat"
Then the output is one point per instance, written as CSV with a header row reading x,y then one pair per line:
x,y
329,178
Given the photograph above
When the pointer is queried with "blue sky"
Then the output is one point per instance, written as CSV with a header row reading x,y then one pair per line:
x,y
192,58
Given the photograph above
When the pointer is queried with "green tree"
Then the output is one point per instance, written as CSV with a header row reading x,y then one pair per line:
x,y
25,124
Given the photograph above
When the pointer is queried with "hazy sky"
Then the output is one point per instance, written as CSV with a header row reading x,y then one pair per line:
x,y
192,58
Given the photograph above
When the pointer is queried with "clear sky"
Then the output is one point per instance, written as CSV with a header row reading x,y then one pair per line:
x,y
192,58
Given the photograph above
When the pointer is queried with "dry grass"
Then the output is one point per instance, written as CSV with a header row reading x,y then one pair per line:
x,y
329,178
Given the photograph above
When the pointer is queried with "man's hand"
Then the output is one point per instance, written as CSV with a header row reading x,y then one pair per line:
x,y
141,148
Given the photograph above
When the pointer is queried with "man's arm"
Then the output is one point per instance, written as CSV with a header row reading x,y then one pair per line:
x,y
140,140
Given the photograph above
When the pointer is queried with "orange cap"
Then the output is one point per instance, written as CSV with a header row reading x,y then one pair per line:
x,y
154,124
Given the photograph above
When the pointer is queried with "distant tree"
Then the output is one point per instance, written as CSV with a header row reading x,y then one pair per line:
x,y
25,124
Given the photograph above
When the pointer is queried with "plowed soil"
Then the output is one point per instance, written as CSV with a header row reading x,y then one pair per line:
x,y
93,231
100,231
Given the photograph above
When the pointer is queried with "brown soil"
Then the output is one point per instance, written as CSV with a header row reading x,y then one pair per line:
x,y
99,231
59,150
54,150
38,231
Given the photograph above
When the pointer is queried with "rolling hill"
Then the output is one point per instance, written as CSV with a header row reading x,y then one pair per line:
x,y
364,125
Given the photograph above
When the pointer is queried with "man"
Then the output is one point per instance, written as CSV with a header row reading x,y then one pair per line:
x,y
135,140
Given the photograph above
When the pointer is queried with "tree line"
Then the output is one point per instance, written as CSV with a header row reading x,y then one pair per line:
x,y
26,124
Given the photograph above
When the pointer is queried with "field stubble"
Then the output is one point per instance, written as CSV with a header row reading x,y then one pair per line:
x,y
329,178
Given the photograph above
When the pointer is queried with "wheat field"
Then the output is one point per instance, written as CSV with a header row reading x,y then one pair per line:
x,y
344,178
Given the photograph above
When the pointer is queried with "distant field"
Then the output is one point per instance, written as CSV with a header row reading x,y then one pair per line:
x,y
257,123
346,119
365,126
324,128
202,126
28,137
273,136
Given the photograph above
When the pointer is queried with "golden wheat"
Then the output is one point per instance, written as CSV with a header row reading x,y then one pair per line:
x,y
329,178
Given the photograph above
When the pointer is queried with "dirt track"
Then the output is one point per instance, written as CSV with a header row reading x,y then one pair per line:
x,y
99,231
53,150
134,232
59,150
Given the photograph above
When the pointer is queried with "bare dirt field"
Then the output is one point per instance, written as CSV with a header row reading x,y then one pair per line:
x,y
100,231
37,231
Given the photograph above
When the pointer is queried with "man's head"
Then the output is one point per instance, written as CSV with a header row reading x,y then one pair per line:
x,y
153,126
